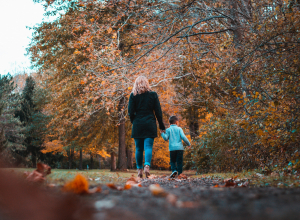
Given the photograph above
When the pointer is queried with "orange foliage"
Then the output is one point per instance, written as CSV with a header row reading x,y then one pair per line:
x,y
236,59
161,157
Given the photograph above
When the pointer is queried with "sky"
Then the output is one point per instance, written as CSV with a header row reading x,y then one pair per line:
x,y
15,15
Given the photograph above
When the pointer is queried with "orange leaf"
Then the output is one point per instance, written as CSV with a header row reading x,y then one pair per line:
x,y
126,187
182,176
229,182
157,190
94,190
113,186
78,185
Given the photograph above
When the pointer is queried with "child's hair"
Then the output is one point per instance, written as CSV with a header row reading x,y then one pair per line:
x,y
173,119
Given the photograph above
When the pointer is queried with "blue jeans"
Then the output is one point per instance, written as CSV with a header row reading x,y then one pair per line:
x,y
140,145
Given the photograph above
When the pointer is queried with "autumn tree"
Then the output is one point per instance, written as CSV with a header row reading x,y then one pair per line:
x,y
235,59
82,57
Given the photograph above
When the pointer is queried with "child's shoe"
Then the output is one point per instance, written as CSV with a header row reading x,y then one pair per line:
x,y
173,175
147,171
140,173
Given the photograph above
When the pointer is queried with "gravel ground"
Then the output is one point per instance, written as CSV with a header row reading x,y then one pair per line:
x,y
196,199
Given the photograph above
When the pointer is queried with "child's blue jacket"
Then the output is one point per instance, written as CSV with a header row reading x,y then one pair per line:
x,y
175,134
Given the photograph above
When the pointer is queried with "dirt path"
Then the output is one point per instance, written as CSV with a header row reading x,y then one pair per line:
x,y
196,199
149,199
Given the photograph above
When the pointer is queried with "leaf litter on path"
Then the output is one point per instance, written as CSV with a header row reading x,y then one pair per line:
x,y
80,185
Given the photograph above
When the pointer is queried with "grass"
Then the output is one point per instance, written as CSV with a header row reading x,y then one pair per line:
x,y
103,176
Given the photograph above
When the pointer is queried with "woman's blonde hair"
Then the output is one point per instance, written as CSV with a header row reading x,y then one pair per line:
x,y
141,85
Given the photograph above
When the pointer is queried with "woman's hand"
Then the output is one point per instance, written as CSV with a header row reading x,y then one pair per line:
x,y
162,131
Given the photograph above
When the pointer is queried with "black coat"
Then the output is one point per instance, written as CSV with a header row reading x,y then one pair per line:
x,y
141,110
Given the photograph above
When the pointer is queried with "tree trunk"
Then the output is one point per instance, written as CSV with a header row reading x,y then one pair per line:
x,y
92,162
80,160
33,159
71,154
2,139
193,122
99,159
237,38
194,127
113,162
235,23
122,162
129,158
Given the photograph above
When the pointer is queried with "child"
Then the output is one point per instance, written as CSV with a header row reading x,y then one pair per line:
x,y
175,134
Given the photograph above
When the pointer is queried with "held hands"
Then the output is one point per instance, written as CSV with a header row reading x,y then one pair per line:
x,y
162,131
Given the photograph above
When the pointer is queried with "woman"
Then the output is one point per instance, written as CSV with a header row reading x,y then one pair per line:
x,y
143,103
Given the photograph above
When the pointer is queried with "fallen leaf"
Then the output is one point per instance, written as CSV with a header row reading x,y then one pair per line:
x,y
35,176
39,174
244,184
30,201
113,186
95,190
230,182
187,204
172,199
126,187
152,176
78,185
43,168
132,182
182,176
157,190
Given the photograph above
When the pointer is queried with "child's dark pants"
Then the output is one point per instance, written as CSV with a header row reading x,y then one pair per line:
x,y
176,157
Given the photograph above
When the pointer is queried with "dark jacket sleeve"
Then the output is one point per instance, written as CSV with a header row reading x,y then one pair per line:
x,y
158,113
131,108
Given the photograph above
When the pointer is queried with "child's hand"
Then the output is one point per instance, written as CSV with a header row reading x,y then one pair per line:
x,y
162,131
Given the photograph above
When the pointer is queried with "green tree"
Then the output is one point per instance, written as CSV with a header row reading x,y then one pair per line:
x,y
33,119
11,130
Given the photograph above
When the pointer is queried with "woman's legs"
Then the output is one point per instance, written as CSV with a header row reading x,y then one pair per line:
x,y
139,150
140,145
148,146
